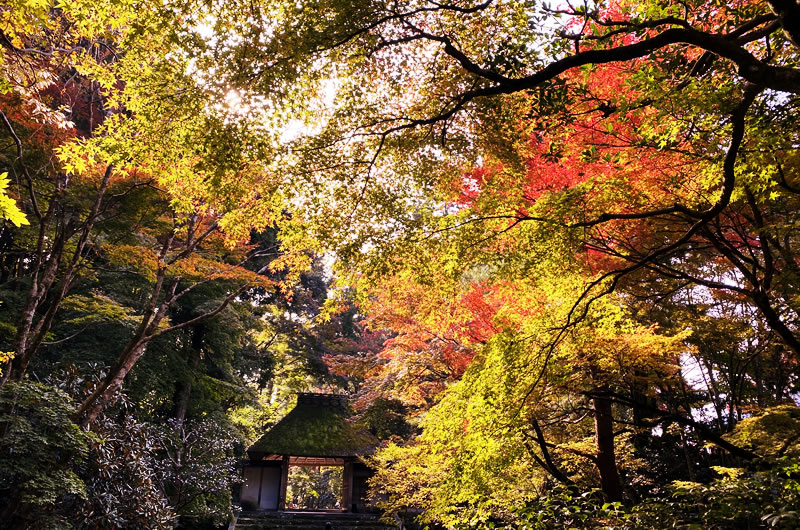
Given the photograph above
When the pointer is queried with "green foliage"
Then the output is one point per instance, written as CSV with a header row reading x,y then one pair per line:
x,y
561,507
122,478
96,308
487,174
772,432
737,498
42,456
195,466
314,488
387,419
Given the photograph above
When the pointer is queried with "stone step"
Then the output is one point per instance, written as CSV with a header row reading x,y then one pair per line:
x,y
319,526
309,521
308,526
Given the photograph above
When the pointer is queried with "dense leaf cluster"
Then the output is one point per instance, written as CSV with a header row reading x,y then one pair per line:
x,y
567,278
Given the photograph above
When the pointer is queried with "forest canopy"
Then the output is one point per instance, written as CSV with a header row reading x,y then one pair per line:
x,y
546,247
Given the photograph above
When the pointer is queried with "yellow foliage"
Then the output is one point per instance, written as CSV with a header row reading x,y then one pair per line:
x,y
729,472
5,358
141,259
8,206
774,432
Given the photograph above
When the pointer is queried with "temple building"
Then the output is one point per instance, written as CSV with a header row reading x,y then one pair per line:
x,y
315,433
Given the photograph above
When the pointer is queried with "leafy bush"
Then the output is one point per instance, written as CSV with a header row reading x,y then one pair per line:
x,y
121,478
766,498
196,468
41,452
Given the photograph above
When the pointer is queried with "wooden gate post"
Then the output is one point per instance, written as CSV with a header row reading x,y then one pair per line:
x,y
347,487
284,483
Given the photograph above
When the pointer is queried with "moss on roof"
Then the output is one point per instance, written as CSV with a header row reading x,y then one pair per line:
x,y
317,426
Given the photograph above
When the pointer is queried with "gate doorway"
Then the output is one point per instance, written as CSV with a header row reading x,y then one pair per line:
x,y
314,488
310,460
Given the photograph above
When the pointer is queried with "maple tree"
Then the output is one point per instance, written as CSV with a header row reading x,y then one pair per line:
x,y
615,129
613,111
649,149
121,164
565,238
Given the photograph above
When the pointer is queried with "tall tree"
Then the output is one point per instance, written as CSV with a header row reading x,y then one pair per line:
x,y
549,103
649,149
141,169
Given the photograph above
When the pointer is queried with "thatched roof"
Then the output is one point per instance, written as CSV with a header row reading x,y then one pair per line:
x,y
317,426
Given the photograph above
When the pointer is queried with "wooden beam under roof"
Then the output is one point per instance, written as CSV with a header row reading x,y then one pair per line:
x,y
308,460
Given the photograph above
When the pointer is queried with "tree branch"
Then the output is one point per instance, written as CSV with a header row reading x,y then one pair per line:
x,y
702,430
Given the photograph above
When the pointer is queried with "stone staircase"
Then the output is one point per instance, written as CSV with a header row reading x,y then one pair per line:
x,y
303,520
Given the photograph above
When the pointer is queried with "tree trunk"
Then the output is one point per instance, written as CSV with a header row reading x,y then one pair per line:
x,y
51,263
687,456
775,322
40,284
604,438
148,330
788,12
184,390
93,405
759,377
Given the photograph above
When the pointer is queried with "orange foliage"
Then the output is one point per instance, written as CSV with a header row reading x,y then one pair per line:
x,y
619,158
